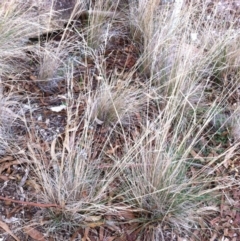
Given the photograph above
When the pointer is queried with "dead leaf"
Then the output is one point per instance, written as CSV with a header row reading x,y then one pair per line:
x,y
58,108
4,178
215,220
75,235
181,239
126,215
5,227
93,218
197,156
33,77
113,150
237,219
10,219
14,212
33,233
225,232
111,225
99,122
7,158
213,237
111,238
133,234
33,184
7,165
94,224
53,150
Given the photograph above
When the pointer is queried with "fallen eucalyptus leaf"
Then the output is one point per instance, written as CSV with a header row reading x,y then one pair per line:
x,y
5,227
58,108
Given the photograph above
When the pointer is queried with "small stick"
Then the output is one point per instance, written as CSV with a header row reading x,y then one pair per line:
x,y
41,205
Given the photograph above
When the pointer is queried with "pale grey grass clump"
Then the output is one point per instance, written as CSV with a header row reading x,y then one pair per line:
x,y
53,58
74,180
111,106
174,40
158,173
12,123
101,17
17,24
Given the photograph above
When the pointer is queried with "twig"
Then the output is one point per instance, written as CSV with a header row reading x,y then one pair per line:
x,y
41,205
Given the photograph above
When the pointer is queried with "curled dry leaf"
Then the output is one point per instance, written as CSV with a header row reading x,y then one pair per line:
x,y
35,234
5,227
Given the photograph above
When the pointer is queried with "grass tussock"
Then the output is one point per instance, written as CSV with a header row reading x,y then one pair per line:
x,y
111,106
146,94
17,24
172,188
